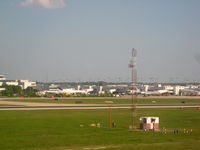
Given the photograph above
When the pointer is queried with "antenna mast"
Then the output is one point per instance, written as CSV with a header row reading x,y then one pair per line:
x,y
133,67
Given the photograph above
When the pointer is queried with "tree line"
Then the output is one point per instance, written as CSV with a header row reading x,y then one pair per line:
x,y
16,91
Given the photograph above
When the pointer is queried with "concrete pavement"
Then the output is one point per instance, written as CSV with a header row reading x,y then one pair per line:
x,y
10,105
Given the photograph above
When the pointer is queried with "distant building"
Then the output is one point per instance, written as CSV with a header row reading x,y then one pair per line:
x,y
2,89
2,77
168,87
190,92
146,88
23,83
26,83
10,82
177,89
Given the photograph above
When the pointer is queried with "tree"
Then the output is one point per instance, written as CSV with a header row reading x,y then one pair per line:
x,y
12,90
30,92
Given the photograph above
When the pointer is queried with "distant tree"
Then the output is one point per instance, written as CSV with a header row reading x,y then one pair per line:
x,y
101,83
30,92
11,90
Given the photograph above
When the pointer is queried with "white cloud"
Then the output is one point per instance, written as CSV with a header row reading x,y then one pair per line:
x,y
44,3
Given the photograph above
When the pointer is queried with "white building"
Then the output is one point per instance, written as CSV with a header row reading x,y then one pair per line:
x,y
168,87
23,83
190,92
101,90
177,89
193,86
146,88
2,77
11,82
26,83
2,89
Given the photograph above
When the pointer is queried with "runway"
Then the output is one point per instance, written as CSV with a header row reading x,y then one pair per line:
x,y
96,106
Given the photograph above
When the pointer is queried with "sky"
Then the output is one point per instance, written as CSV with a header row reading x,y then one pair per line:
x,y
91,40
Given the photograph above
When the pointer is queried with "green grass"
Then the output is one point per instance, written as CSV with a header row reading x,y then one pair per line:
x,y
60,129
115,101
4,105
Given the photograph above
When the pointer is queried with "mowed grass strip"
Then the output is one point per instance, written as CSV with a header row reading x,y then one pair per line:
x,y
60,129
114,100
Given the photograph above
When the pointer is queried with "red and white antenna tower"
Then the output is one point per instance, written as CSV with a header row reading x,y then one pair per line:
x,y
133,66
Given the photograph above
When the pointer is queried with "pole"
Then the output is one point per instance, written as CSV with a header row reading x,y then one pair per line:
x,y
110,116
132,97
132,65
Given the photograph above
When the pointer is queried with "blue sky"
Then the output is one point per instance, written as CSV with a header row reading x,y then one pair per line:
x,y
89,40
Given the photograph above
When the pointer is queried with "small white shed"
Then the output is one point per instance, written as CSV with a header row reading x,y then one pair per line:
x,y
149,123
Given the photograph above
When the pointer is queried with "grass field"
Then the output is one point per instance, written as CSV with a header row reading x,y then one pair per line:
x,y
115,101
5,105
60,129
